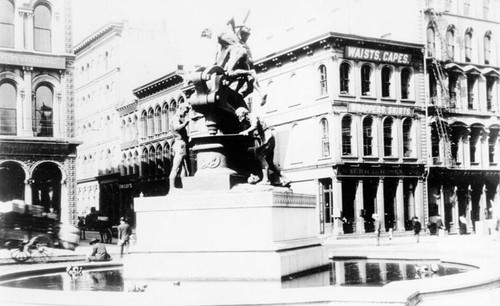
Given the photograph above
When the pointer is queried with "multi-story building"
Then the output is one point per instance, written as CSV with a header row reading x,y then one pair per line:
x,y
146,138
462,61
37,148
348,111
109,64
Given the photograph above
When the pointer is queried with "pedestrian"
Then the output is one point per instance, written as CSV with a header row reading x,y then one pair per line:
x,y
124,233
99,251
378,226
417,227
463,225
81,227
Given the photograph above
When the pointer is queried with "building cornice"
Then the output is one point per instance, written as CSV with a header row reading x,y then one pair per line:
x,y
89,40
331,40
162,83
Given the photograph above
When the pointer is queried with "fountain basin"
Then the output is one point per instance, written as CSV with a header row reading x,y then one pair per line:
x,y
464,287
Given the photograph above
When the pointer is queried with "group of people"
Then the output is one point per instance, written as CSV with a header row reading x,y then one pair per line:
x,y
99,250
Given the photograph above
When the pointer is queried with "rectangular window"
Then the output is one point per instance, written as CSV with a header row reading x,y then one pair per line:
x,y
471,81
367,141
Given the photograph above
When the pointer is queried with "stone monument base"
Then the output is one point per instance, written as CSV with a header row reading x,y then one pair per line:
x,y
247,233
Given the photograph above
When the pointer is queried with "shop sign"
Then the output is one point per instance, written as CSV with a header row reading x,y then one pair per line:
x,y
377,109
32,60
125,186
379,171
377,55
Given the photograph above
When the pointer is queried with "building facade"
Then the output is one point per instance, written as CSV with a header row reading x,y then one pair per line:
x,y
349,115
109,64
462,64
37,145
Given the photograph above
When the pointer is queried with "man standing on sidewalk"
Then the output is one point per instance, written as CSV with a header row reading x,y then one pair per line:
x,y
417,227
124,233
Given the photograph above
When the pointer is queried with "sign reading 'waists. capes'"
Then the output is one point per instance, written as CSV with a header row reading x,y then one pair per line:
x,y
377,55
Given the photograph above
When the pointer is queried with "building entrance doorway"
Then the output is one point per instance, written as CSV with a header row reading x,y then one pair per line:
x,y
46,188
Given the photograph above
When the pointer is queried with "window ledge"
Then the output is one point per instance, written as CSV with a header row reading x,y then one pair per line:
x,y
351,157
409,101
369,97
324,158
388,99
293,105
410,158
370,158
493,164
346,95
391,158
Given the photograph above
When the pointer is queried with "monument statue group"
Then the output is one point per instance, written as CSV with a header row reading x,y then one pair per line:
x,y
238,143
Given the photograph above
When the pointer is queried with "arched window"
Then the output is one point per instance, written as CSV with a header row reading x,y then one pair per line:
x,y
347,135
6,24
160,170
164,113
323,81
368,136
450,43
158,123
8,111
144,124
406,84
366,75
151,124
487,47
388,137
387,83
325,138
408,141
431,42
42,28
43,124
125,164
345,77
294,96
106,60
468,45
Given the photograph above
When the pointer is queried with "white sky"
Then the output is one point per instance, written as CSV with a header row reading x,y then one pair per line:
x,y
186,18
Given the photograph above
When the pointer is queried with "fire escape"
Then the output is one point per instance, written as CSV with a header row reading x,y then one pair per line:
x,y
440,102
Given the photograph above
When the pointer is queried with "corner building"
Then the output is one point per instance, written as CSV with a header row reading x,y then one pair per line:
x,y
349,114
37,148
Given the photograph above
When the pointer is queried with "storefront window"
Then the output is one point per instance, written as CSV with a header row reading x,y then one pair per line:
x,y
408,138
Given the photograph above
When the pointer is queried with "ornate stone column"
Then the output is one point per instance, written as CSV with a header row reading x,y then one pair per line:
x,y
380,202
466,141
337,200
484,144
358,206
441,201
65,209
419,199
482,204
411,201
400,211
454,200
